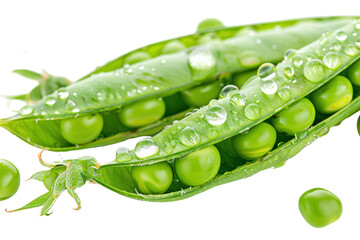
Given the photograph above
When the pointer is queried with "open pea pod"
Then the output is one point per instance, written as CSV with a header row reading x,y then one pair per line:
x,y
156,170
142,98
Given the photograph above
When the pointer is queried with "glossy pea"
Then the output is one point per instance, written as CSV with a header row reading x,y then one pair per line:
x,y
142,113
9,179
298,117
201,95
152,179
198,167
333,96
256,142
209,24
173,46
82,130
353,73
137,57
319,207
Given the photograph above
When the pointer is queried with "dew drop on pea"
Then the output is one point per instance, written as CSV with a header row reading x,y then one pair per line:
x,y
341,36
238,99
297,61
324,40
202,59
351,50
123,155
337,46
314,71
269,87
289,54
227,90
101,96
266,71
252,111
289,72
189,137
63,95
212,133
216,115
50,101
146,148
332,60
26,110
70,106
284,93
357,26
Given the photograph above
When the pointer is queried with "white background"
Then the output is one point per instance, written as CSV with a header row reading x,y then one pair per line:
x,y
70,38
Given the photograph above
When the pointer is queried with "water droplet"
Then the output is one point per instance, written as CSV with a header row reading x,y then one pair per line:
x,y
50,101
123,155
101,96
323,40
238,99
26,110
341,36
336,46
128,70
250,59
289,72
201,59
227,90
141,67
146,148
216,115
357,43
332,60
269,87
297,61
212,133
189,137
357,26
252,111
314,71
258,41
274,46
172,142
289,54
266,71
324,131
351,50
284,93
63,94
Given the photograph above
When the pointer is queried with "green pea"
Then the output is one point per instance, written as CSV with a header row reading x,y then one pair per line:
x,y
239,79
9,179
319,207
137,57
209,24
258,141
82,129
152,179
198,167
142,113
333,96
173,46
353,73
201,95
296,118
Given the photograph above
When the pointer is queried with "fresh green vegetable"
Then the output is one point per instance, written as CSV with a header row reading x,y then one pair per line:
x,y
135,78
333,96
319,207
9,179
201,95
353,73
198,167
209,24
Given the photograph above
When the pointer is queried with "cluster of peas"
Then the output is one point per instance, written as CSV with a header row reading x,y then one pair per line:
x,y
202,165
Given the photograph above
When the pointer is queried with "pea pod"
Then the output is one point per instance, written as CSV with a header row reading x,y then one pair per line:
x,y
211,128
107,92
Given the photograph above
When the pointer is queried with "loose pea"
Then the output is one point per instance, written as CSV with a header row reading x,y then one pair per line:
x,y
319,207
209,24
82,129
333,96
201,95
173,46
137,57
198,167
9,179
152,179
296,118
353,73
258,141
142,113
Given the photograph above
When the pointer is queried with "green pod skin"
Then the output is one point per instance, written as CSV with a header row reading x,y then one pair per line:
x,y
82,129
319,207
112,87
173,47
52,175
142,113
152,179
257,142
333,96
137,57
296,118
353,73
198,167
9,179
209,24
201,95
